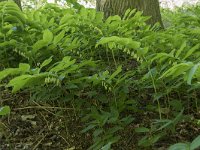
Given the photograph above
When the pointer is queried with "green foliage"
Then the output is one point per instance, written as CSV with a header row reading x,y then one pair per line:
x,y
115,69
187,146
4,110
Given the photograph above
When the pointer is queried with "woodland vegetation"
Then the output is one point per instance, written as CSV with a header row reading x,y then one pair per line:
x,y
99,79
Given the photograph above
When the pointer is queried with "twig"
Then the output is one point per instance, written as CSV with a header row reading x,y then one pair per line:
x,y
38,143
64,139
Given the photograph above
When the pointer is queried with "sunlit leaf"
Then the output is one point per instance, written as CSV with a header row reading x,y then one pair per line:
x,y
195,143
4,110
179,146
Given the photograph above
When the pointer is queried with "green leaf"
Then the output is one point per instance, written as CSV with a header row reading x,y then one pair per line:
x,y
24,81
126,13
119,69
97,132
195,143
13,19
176,105
4,110
67,18
191,73
59,37
19,82
177,70
46,62
16,13
141,130
48,36
191,51
107,146
179,146
7,72
147,141
14,71
64,64
181,49
178,117
91,126
128,42
38,45
161,56
24,67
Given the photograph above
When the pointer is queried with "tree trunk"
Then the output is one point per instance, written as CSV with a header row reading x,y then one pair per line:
x,y
119,7
18,2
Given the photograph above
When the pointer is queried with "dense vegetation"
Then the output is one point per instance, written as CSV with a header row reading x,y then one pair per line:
x,y
115,72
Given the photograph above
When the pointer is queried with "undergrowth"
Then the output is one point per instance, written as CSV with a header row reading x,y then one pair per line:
x,y
114,69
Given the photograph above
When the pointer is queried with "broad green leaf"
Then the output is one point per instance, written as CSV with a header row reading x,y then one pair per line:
x,y
179,146
195,143
191,51
24,81
13,19
112,19
4,44
160,56
195,31
147,141
19,82
62,65
107,146
48,36
59,37
12,42
36,16
167,123
51,22
171,122
119,40
177,70
46,62
191,73
83,13
127,120
176,104
119,69
14,71
178,117
114,129
181,49
141,130
126,14
97,132
4,110
142,51
7,72
183,69
66,19
24,67
16,13
38,45
91,126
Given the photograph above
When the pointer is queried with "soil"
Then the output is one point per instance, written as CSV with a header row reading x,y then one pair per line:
x,y
48,126
39,126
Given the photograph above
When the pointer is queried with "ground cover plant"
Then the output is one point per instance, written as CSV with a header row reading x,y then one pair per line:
x,y
119,78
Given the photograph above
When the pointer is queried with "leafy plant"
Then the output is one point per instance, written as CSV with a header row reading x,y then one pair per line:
x,y
5,110
111,70
187,146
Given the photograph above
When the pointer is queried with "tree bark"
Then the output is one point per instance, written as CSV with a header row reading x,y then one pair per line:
x,y
18,2
119,7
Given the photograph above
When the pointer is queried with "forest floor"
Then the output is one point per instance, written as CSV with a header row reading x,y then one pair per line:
x,y
41,126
